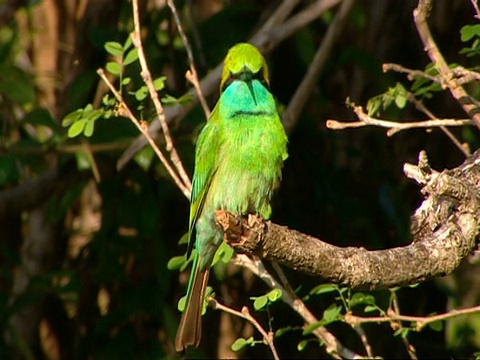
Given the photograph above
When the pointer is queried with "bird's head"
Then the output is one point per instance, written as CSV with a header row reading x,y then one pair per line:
x,y
245,63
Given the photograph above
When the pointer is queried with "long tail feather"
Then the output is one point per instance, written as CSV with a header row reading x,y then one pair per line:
x,y
189,330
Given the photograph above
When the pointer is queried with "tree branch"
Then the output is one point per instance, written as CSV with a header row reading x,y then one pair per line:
x,y
444,230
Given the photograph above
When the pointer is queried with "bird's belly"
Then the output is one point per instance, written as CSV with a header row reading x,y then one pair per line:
x,y
244,182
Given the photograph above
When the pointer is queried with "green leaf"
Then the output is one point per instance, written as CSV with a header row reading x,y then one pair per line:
x,y
126,81
183,239
323,289
370,308
312,327
401,100
403,332
144,157
76,128
239,344
72,117
131,56
84,161
114,48
170,100
373,105
159,83
360,298
469,31
332,313
175,262
274,295
141,93
227,254
302,345
128,43
283,330
113,68
181,303
260,302
89,126
436,325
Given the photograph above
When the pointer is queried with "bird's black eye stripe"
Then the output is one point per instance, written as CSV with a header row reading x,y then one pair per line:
x,y
254,76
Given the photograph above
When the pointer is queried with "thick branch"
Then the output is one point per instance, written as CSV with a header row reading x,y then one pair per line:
x,y
444,230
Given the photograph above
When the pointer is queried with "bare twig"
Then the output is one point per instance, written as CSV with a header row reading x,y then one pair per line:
x,y
419,321
147,78
395,127
304,90
410,73
245,314
192,74
420,15
124,110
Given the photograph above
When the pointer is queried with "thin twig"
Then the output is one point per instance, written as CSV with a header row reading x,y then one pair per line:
x,y
147,78
395,127
124,110
411,74
245,314
420,321
192,74
332,345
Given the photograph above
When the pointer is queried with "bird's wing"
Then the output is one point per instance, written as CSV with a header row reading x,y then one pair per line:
x,y
205,167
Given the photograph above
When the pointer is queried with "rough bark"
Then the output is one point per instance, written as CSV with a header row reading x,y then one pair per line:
x,y
444,232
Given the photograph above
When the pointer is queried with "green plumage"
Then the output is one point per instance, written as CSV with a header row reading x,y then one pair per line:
x,y
238,162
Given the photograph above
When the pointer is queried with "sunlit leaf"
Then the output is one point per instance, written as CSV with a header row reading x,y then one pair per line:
x,y
181,303
323,289
131,56
467,32
141,93
114,48
332,313
302,345
175,262
159,83
89,126
274,295
260,302
360,298
113,68
76,128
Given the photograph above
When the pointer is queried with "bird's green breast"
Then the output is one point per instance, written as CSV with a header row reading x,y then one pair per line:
x,y
251,151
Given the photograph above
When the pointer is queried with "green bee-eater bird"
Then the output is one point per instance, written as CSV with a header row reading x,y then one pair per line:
x,y
238,163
